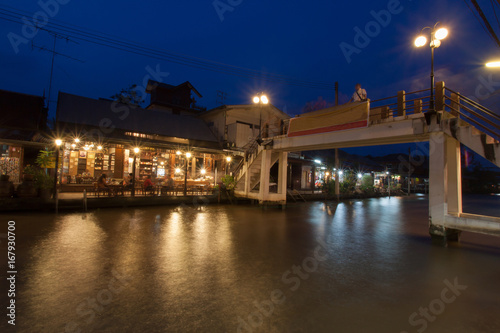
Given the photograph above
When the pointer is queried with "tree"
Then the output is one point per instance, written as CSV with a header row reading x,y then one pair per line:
x,y
318,104
130,96
46,159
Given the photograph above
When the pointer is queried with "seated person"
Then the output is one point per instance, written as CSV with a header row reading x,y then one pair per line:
x,y
101,182
148,184
170,182
127,182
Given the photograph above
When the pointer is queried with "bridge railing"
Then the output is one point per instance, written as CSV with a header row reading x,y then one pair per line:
x,y
402,104
472,112
250,154
445,99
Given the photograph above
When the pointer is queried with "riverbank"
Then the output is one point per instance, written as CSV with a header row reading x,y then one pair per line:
x,y
75,201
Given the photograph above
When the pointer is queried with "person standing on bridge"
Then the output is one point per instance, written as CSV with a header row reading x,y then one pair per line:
x,y
359,94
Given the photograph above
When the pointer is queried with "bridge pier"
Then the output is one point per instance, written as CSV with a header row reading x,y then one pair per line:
x,y
265,196
445,185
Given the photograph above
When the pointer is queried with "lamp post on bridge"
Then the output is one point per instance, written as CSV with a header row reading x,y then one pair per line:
x,y
260,99
436,37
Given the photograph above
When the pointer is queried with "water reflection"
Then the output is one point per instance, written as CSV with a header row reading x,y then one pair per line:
x,y
204,269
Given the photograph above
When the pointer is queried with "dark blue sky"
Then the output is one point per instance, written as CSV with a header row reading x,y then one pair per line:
x,y
292,38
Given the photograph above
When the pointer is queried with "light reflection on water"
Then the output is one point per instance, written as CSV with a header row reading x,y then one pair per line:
x,y
201,269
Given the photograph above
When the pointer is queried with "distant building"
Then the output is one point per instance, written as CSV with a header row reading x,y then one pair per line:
x,y
23,123
178,99
107,133
238,125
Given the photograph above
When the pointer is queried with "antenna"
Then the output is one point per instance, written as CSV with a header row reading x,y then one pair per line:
x,y
221,97
54,53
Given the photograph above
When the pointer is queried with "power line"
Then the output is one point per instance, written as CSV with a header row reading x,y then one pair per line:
x,y
488,26
478,19
135,48
495,12
54,53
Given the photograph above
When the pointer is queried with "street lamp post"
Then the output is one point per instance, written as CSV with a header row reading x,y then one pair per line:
x,y
136,151
436,37
58,143
228,160
260,99
188,156
388,182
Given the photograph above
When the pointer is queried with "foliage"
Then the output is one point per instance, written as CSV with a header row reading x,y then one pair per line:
x,y
30,170
318,104
329,187
349,183
43,181
46,159
129,96
229,182
367,185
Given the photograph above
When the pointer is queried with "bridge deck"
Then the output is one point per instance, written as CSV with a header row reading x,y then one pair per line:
x,y
395,130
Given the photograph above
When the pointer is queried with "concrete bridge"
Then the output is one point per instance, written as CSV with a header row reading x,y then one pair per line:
x,y
403,118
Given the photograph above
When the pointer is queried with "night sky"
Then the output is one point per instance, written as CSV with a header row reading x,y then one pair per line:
x,y
295,39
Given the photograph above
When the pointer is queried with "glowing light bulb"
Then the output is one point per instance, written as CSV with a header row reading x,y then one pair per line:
x,y
420,41
441,33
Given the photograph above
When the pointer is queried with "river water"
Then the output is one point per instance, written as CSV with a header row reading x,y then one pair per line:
x,y
362,266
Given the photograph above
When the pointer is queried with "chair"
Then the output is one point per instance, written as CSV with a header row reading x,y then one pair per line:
x,y
179,188
150,190
103,190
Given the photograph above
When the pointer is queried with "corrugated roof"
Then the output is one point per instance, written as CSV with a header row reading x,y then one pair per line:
x,y
91,112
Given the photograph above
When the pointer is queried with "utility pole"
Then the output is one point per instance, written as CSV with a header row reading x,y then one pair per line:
x,y
409,171
336,93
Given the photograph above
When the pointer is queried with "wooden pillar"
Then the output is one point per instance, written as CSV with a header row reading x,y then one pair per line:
x,y
171,170
439,97
417,106
401,103
193,167
455,104
119,158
